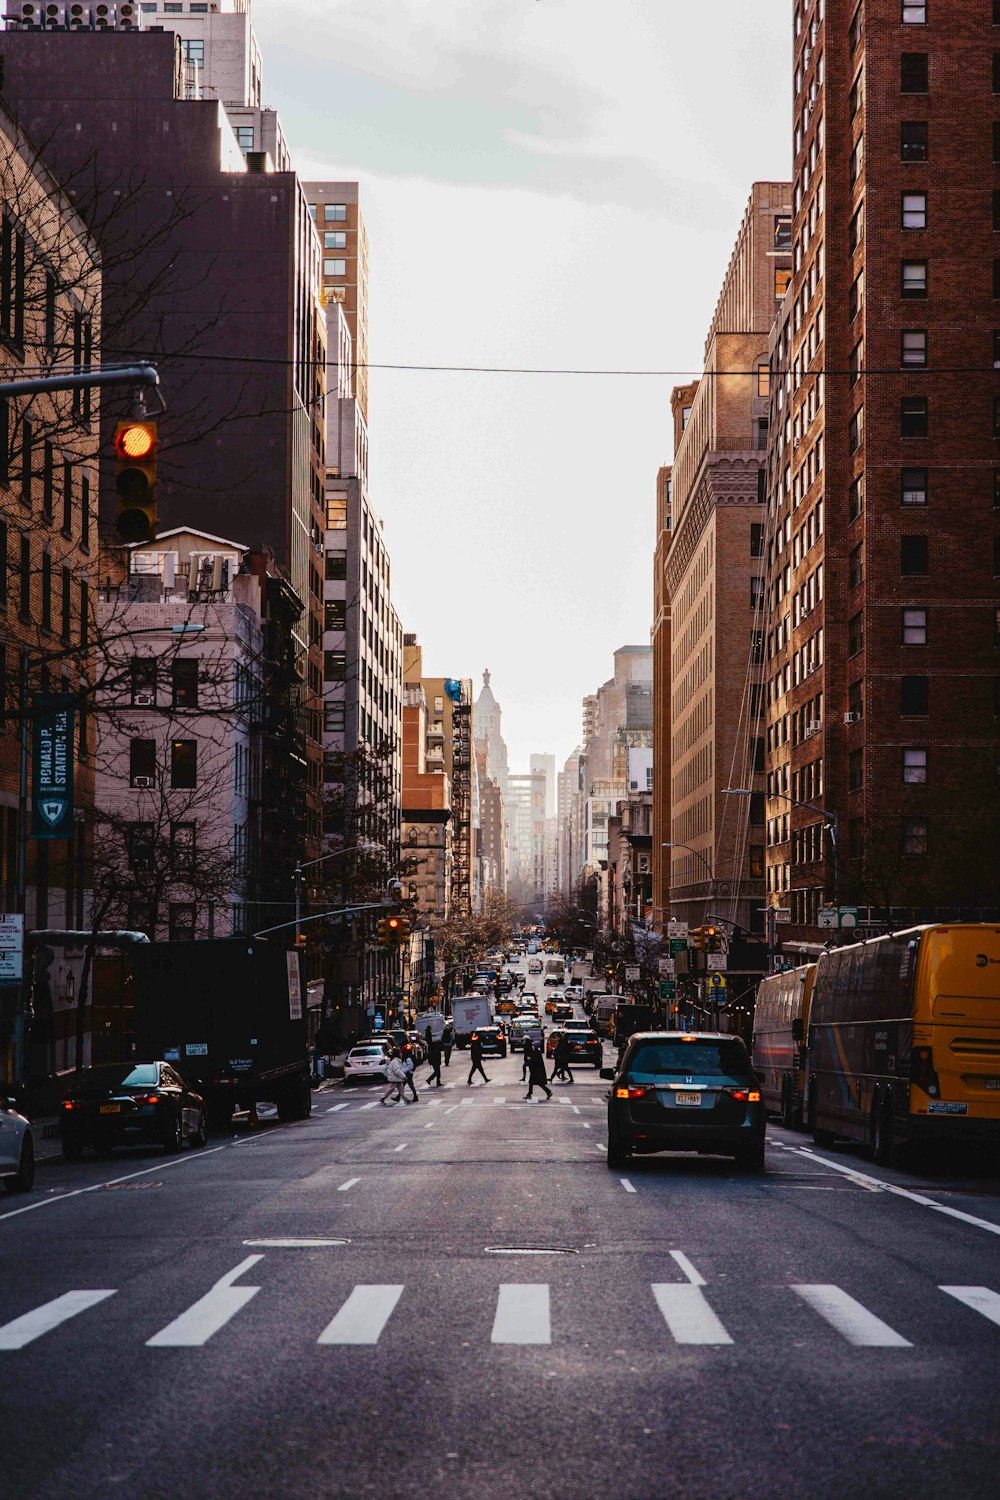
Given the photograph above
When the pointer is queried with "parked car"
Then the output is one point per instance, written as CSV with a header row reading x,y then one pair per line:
x,y
130,1104
493,1039
367,1060
17,1145
685,1091
415,1046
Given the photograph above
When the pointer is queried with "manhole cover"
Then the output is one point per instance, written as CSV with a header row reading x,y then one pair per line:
x,y
129,1187
529,1250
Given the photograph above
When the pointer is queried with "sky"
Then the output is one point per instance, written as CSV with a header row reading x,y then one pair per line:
x,y
547,184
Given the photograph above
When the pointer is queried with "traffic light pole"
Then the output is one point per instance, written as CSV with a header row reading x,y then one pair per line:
x,y
139,375
340,911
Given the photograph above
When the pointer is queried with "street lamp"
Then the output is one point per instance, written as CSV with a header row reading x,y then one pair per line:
x,y
308,864
830,823
676,844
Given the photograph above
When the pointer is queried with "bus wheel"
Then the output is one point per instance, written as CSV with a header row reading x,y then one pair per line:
x,y
881,1134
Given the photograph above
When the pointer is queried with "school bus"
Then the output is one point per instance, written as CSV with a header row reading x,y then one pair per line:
x,y
904,1039
780,1025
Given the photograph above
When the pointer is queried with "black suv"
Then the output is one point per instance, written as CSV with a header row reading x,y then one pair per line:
x,y
685,1091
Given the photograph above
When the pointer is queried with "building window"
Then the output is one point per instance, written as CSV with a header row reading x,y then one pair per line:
x,y
756,592
856,295
335,614
66,623
996,416
244,137
335,666
756,539
142,673
914,211
914,12
334,718
913,417
856,228
856,430
913,486
913,73
857,29
184,764
335,268
763,380
996,210
996,557
915,764
856,498
996,280
27,459
336,512
856,634
3,573
335,213
996,489
914,559
142,763
856,566
915,836
139,846
181,926
856,698
335,239
913,348
913,279
25,577
756,861
782,280
914,142
913,697
856,361
782,232
184,681
336,566
856,94
996,72
914,626
194,51
857,160
182,847
856,770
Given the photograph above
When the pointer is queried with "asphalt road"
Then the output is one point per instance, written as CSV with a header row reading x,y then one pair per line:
x,y
458,1298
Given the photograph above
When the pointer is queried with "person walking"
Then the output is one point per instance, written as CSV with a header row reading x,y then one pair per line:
x,y
395,1075
560,1061
537,1073
447,1042
434,1053
529,1047
408,1080
476,1058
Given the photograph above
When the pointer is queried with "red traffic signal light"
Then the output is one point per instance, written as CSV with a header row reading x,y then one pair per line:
x,y
136,444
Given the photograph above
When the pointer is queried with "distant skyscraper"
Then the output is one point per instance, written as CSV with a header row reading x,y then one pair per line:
x,y
547,765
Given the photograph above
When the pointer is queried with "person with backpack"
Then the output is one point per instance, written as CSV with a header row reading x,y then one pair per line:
x,y
395,1077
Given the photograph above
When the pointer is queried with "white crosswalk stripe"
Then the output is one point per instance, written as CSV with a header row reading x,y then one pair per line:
x,y
363,1316
853,1321
32,1325
522,1315
210,1313
687,1314
980,1298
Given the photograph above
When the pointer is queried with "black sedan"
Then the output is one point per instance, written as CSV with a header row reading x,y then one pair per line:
x,y
493,1039
685,1091
584,1046
130,1104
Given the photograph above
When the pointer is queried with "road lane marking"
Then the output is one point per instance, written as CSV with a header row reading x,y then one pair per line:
x,y
351,1181
499,1101
335,1107
980,1298
95,1187
205,1317
576,1109
402,1146
363,1316
451,1108
853,1321
626,1184
694,1276
371,1105
880,1185
688,1315
522,1315
430,1124
32,1325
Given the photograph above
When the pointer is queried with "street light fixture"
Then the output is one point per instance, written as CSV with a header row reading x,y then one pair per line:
x,y
308,864
830,823
676,844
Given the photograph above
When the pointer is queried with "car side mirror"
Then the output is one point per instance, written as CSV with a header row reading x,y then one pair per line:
x,y
608,1073
798,1030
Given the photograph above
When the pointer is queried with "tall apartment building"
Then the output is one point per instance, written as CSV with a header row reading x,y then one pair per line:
x,y
341,227
884,477
450,744
546,764
244,451
711,591
526,811
568,856
427,825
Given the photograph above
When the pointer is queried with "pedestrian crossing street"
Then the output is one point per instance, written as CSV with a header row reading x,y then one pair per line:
x,y
475,1096
523,1314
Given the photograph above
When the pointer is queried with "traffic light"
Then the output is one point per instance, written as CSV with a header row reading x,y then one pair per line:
x,y
392,926
713,939
403,927
383,932
697,938
136,443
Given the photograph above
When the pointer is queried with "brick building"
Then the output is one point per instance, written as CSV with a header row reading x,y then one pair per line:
x,y
660,637
883,582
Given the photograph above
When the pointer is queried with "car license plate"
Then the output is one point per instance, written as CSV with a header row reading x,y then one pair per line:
x,y
687,1098
111,1109
992,1083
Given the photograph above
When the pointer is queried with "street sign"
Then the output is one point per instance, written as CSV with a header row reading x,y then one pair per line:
x,y
848,916
715,961
379,1020
11,948
832,916
782,913
52,767
678,945
677,929
668,989
668,968
631,973
716,981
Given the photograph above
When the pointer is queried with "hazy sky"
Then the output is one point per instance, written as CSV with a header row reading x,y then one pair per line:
x,y
546,183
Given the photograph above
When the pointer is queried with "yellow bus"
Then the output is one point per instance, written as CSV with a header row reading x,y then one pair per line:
x,y
780,1026
904,1039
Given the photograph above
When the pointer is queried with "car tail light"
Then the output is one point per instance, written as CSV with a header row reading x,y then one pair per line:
x,y
152,1099
922,1071
745,1096
632,1091
68,1104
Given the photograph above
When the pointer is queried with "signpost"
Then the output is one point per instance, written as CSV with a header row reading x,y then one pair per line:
x,y
677,929
11,948
668,968
52,767
715,962
631,973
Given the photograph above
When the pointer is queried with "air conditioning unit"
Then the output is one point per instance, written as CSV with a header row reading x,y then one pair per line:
x,y
814,726
143,700
852,718
143,781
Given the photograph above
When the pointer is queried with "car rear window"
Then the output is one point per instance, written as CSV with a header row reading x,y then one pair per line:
x,y
722,1059
367,1051
143,1076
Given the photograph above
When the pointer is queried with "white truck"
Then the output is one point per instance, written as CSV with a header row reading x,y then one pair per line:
x,y
433,1021
469,1012
555,971
603,1012
581,970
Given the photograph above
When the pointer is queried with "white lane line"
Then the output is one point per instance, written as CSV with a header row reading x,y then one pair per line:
x,y
687,1314
95,1187
363,1316
694,1277
980,1298
369,1106
853,1321
576,1109
499,1101
351,1181
451,1108
402,1146
210,1313
598,1146
585,1124
522,1315
880,1185
32,1325
335,1107
291,1244
430,1124
626,1184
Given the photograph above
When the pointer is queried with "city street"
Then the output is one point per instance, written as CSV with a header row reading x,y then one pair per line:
x,y
459,1296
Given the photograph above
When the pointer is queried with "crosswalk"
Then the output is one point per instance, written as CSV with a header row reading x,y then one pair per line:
x,y
523,1316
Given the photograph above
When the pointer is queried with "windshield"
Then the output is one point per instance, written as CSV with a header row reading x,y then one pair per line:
x,y
721,1059
119,1076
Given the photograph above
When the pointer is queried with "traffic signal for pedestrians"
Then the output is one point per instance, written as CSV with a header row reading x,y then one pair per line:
x,y
136,444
